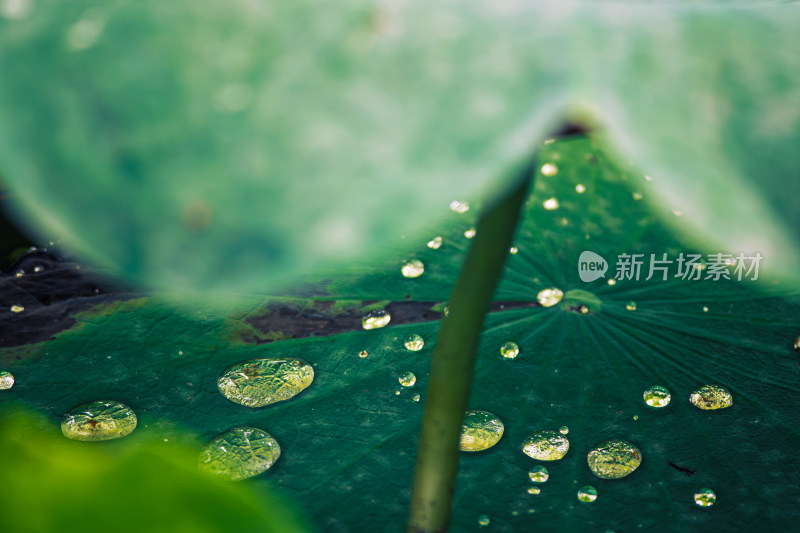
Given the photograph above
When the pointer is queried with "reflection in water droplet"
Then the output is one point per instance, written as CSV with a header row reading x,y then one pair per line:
x,y
413,268
546,445
705,497
376,319
534,490
563,430
483,520
470,233
550,204
260,382
657,396
549,169
509,350
459,207
480,430
587,494
407,379
415,397
614,459
513,250
435,243
711,397
17,309
414,343
363,353
100,420
539,474
549,297
240,453
580,188
6,380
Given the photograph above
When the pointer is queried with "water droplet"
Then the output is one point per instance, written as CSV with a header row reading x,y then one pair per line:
x,y
705,310
470,233
614,459
240,453
657,396
17,309
539,474
85,33
99,420
534,490
705,497
550,204
459,207
260,382
549,141
480,430
6,380
587,494
509,350
549,297
413,268
546,445
414,343
446,310
564,430
637,196
376,319
636,417
612,282
483,520
797,344
38,268
549,169
16,9
630,306
415,397
407,379
580,188
435,243
513,250
363,353
711,397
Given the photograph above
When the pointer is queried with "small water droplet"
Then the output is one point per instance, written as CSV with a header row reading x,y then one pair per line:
x,y
407,379
549,169
397,393
546,445
711,397
509,350
415,397
614,459
17,309
636,417
240,453
797,344
612,282
637,196
564,430
539,474
705,497
38,268
657,396
435,243
470,233
260,382
363,353
534,490
376,319
580,189
414,343
413,268
483,520
480,430
705,310
99,420
630,306
459,207
6,380
20,273
446,310
550,204
587,494
513,250
549,297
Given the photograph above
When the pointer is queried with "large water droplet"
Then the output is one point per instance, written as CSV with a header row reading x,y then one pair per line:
x,y
614,459
711,397
459,207
376,319
6,380
414,343
509,350
539,474
413,268
17,309
99,420
546,445
705,497
260,382
549,297
657,396
240,453
587,494
480,430
483,520
407,379
435,243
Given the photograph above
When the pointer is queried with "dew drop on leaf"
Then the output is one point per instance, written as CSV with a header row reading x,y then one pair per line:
x,y
459,207
260,382
539,474
513,250
614,459
435,243
376,319
17,309
563,430
414,343
546,445
580,189
630,306
549,297
99,420
551,204
534,490
413,268
240,453
483,520
363,353
480,430
711,397
657,396
549,169
470,233
509,350
6,380
587,494
407,379
705,498
415,397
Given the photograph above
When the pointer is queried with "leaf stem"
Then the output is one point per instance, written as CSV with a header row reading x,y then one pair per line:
x,y
453,361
